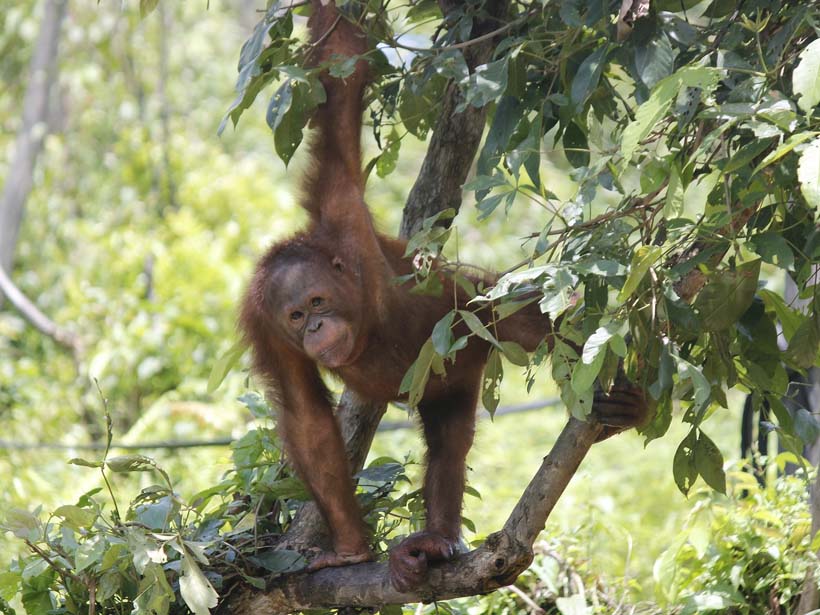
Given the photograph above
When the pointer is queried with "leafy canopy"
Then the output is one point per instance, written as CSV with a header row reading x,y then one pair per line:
x,y
691,137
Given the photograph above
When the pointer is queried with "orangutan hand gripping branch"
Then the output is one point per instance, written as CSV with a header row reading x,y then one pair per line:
x,y
325,299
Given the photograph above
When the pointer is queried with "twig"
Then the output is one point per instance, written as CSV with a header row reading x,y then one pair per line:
x,y
465,44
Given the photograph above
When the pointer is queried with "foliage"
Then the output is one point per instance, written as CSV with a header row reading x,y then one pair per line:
x,y
746,553
163,551
694,144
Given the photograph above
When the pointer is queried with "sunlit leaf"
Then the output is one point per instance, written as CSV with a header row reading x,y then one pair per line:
x,y
806,77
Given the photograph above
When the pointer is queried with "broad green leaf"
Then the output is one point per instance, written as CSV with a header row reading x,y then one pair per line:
x,y
89,553
700,385
643,258
784,149
655,60
808,174
515,354
279,105
773,248
789,318
588,75
709,463
508,113
727,295
650,113
485,85
697,193
22,524
9,585
386,162
805,342
673,206
584,374
477,327
442,336
224,364
683,465
493,374
196,590
806,77
131,463
576,146
76,517
421,373
596,343
154,594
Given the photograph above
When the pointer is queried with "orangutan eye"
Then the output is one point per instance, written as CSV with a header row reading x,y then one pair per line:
x,y
297,315
316,301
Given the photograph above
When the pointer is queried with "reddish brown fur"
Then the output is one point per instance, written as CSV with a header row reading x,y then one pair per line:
x,y
366,331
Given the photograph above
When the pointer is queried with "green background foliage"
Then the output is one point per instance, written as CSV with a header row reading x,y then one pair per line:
x,y
613,170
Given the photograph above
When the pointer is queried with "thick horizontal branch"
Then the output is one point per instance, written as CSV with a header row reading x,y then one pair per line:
x,y
498,562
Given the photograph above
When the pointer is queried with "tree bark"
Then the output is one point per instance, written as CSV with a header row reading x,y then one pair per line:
x,y
29,142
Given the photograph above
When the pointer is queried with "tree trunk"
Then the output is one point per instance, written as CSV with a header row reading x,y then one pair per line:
x,y
29,142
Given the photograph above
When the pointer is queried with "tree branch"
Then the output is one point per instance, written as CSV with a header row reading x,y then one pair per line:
x,y
34,316
496,563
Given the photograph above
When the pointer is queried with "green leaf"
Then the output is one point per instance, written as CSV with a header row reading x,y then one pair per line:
x,y
515,353
727,295
673,207
702,388
576,146
650,113
386,162
588,76
806,77
23,524
442,335
85,463
584,374
805,342
643,258
485,85
154,594
808,174
477,327
790,319
131,463
709,463
508,113
421,373
683,465
655,60
784,149
773,248
224,364
493,374
196,590
76,517
89,553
